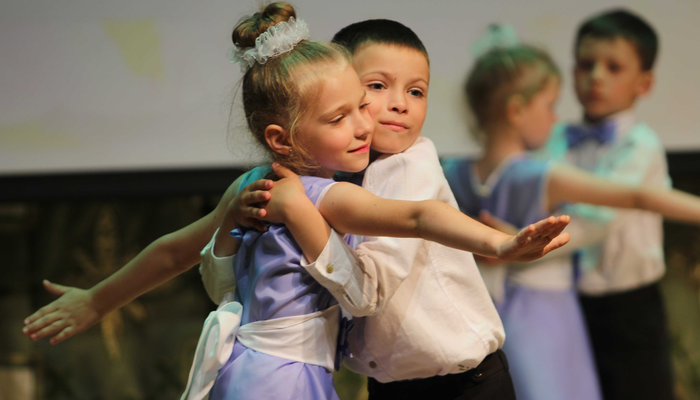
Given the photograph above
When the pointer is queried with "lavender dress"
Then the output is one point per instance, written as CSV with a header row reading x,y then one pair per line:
x,y
546,340
271,283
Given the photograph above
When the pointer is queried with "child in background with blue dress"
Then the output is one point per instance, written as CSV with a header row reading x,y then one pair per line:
x,y
512,92
305,104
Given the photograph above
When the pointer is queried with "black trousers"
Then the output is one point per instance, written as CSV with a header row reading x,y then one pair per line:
x,y
490,380
631,344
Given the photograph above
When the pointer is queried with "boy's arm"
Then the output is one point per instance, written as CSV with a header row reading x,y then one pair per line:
x,y
77,309
217,272
216,265
639,160
572,185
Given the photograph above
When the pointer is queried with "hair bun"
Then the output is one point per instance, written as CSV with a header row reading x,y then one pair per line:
x,y
249,28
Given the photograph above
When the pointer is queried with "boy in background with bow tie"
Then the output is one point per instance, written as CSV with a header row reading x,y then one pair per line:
x,y
619,277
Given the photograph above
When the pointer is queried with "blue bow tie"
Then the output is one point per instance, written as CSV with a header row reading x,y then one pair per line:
x,y
602,133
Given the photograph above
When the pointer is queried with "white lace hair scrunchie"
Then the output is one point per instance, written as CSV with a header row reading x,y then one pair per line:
x,y
277,39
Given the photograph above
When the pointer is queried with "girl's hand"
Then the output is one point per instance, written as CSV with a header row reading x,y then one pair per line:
x,y
73,312
288,197
498,224
536,240
247,208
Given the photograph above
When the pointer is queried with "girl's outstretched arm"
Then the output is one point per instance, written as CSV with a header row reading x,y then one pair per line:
x,y
569,184
352,209
78,309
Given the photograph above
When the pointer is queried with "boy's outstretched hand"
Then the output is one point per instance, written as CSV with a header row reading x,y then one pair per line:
x,y
73,312
536,240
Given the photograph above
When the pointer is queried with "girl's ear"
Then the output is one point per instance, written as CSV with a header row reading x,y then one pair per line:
x,y
514,109
278,139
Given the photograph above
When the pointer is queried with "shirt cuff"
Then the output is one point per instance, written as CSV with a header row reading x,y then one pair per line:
x,y
217,272
337,269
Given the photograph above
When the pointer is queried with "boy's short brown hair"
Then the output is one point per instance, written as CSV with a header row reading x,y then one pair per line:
x,y
623,24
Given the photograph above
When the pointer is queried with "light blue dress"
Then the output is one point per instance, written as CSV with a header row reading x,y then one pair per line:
x,y
271,283
547,344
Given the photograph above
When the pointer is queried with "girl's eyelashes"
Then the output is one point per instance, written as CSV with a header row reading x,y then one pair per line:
x,y
337,120
416,92
375,86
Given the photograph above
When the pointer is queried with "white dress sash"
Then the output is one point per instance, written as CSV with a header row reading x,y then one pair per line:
x,y
310,338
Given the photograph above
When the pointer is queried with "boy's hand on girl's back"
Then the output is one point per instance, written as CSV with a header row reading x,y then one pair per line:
x,y
247,208
254,204
72,313
536,240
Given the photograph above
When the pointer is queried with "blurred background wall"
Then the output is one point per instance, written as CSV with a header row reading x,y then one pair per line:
x,y
92,85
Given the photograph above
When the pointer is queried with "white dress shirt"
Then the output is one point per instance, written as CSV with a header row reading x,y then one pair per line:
x,y
435,316
631,256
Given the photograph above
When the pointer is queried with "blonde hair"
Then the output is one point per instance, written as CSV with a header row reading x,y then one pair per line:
x,y
282,91
502,73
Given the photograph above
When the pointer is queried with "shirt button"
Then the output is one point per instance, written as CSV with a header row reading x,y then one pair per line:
x,y
329,269
372,364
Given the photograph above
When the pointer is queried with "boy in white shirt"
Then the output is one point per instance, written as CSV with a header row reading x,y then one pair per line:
x,y
619,277
433,330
